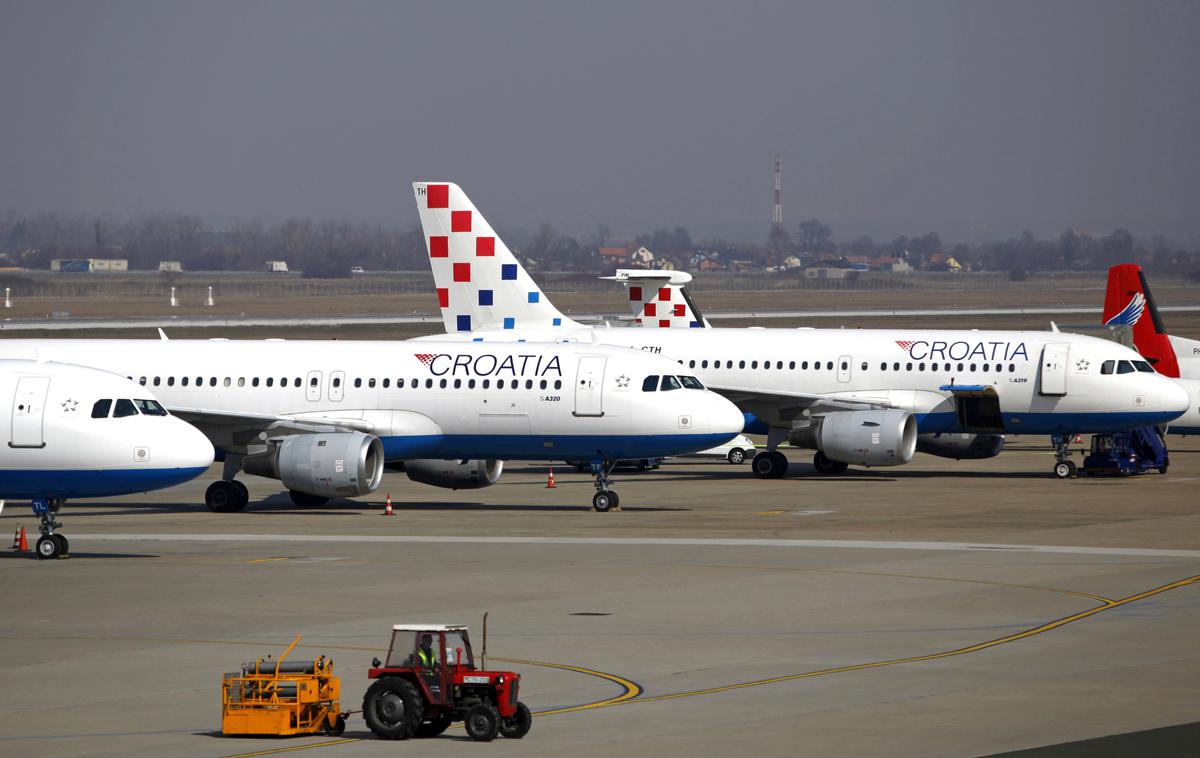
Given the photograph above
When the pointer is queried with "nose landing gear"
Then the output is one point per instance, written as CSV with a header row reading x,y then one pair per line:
x,y
605,499
50,545
1064,467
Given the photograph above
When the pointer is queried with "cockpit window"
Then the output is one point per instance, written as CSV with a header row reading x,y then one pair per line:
x,y
669,383
150,408
101,408
1125,367
124,408
691,383
650,383
1143,367
1107,367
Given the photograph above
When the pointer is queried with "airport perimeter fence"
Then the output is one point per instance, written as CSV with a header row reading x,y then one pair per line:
x,y
192,285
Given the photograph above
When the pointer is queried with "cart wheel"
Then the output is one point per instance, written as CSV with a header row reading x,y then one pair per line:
x,y
517,725
339,726
392,708
1064,469
483,722
1163,468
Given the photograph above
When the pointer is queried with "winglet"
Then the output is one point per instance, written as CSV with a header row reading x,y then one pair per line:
x,y
162,335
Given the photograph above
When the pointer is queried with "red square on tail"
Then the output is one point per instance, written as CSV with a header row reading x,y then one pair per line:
x,y
635,293
485,246
443,297
460,221
437,195
665,323
462,272
664,293
439,247
650,310
680,309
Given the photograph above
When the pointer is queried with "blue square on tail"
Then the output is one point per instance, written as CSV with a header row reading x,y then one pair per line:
x,y
485,297
557,322
695,325
464,323
509,322
508,271
533,297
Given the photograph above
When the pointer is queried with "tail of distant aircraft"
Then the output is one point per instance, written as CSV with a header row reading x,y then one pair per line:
x,y
1128,302
480,284
659,299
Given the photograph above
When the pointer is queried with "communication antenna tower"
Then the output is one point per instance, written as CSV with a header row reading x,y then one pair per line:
x,y
777,216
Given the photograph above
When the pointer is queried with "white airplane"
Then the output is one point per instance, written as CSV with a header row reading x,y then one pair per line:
x,y
868,397
323,417
79,432
1128,303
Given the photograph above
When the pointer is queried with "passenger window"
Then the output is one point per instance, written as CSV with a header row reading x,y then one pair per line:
x,y
728,364
864,365
388,382
170,381
241,381
442,384
1143,367
1124,367
882,366
1012,368
212,381
846,365
778,364
960,367
428,384
804,366
896,366
124,408
298,381
829,365
691,383
371,383
557,384
142,381
458,384
908,367
691,364
528,384
650,383
920,367
499,384
703,364
184,381
669,383
792,365
157,381
337,381
741,364
985,368
270,381
541,385
227,382
101,408
972,366
753,364
312,382
150,408
254,381
487,383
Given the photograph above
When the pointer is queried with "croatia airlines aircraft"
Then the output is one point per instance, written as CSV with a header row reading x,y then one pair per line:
x,y
78,432
1128,303
324,417
864,397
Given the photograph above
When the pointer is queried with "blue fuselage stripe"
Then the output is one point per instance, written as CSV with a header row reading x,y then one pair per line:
x,y
548,447
58,483
1052,423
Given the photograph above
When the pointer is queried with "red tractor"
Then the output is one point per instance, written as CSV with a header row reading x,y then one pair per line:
x,y
429,681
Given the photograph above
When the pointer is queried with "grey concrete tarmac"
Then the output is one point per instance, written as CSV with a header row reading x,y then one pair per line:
x,y
940,609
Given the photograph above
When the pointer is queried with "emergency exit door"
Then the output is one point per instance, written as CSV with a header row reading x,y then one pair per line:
x,y
29,406
589,386
1054,369
312,390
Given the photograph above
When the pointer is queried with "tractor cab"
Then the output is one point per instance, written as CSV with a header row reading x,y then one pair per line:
x,y
429,680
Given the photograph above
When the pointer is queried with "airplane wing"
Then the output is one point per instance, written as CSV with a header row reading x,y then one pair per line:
x,y
785,406
234,432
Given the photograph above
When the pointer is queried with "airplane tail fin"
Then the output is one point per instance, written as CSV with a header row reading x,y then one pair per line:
x,y
1128,303
480,284
659,299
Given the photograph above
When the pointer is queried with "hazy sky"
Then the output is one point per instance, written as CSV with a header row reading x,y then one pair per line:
x,y
892,117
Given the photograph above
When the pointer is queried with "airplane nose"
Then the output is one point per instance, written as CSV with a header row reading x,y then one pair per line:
x,y
190,448
1174,397
724,417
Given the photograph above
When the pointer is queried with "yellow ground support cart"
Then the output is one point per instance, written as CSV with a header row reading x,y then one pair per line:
x,y
277,698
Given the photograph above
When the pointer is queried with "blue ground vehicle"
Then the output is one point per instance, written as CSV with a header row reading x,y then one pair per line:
x,y
1126,453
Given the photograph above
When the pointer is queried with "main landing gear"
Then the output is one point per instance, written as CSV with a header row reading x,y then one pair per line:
x,y
605,499
826,466
228,495
1064,467
51,544
770,464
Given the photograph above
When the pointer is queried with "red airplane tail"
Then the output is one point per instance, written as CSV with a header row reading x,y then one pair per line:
x,y
1128,302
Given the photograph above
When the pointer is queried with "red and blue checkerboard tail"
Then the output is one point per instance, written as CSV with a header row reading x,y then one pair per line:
x,y
1129,304
480,283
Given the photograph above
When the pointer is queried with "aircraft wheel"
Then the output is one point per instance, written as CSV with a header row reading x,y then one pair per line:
x,y
64,545
305,500
763,466
781,465
827,466
736,456
483,722
223,497
603,501
48,548
1064,469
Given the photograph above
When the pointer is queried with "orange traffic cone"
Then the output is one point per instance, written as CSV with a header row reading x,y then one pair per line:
x,y
387,509
550,480
22,542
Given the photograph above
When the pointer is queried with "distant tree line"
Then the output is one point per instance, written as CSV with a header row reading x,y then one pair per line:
x,y
330,248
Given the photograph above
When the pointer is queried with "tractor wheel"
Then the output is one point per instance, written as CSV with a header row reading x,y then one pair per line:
x,y
434,727
517,725
392,708
483,722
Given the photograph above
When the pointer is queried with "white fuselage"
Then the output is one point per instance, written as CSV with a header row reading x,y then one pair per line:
x,y
80,432
913,369
425,400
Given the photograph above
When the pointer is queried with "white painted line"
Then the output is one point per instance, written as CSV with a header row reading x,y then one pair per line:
x,y
647,541
810,513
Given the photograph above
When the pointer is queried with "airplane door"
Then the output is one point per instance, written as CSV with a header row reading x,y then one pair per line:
x,y
337,386
313,389
29,405
843,368
589,386
1054,369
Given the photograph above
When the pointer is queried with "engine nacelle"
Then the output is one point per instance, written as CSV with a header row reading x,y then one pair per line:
x,y
455,475
868,438
961,446
339,464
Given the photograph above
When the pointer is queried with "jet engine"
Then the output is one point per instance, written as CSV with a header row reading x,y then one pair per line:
x,y
961,446
339,464
868,438
455,475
